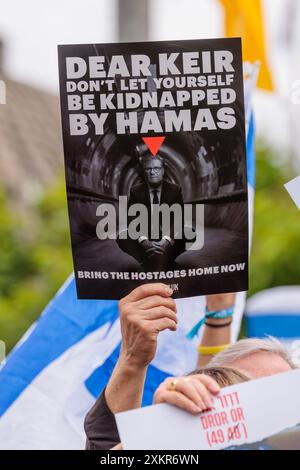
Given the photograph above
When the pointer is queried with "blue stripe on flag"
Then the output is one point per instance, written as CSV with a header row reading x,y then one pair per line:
x,y
250,150
279,325
96,382
154,377
99,378
64,322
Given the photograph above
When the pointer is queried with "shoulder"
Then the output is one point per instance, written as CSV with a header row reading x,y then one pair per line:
x,y
137,188
172,187
138,192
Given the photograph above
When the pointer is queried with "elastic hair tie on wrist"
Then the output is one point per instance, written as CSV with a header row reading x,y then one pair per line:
x,y
216,325
226,313
211,350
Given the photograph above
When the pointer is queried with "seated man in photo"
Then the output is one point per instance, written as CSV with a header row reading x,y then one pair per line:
x,y
155,249
144,313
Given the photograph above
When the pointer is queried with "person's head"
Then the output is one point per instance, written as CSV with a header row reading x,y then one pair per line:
x,y
224,376
153,169
254,357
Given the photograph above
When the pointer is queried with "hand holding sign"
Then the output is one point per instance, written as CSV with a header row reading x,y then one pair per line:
x,y
145,312
192,394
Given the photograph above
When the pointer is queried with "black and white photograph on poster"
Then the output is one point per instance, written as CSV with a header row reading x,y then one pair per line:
x,y
155,162
287,439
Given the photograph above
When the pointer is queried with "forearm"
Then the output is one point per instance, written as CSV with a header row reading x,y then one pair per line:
x,y
141,321
123,392
125,388
214,337
219,333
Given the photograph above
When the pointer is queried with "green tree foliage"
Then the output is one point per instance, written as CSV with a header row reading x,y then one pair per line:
x,y
275,256
35,253
35,258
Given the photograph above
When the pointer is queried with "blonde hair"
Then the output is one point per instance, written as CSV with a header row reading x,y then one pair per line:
x,y
246,347
224,376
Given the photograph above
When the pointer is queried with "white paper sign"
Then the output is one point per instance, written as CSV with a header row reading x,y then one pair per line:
x,y
293,188
244,413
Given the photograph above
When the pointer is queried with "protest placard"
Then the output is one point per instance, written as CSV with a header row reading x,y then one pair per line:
x,y
293,188
262,413
154,143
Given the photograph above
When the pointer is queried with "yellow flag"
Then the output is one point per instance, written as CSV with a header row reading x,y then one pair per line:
x,y
244,18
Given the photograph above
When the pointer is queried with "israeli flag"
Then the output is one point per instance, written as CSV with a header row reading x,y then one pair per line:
x,y
276,312
53,376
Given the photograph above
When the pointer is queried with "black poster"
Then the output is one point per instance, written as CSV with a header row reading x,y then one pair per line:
x,y
154,144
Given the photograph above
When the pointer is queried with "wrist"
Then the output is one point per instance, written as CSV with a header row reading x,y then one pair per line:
x,y
216,302
131,364
219,321
224,315
124,390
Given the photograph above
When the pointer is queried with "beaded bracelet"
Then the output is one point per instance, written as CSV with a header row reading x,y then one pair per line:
x,y
225,313
217,325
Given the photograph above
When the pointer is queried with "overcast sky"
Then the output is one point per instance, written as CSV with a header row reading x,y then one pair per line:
x,y
32,29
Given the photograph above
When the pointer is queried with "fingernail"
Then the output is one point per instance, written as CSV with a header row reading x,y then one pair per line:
x,y
198,409
169,291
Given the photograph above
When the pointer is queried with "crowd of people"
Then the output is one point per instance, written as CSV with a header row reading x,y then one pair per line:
x,y
144,314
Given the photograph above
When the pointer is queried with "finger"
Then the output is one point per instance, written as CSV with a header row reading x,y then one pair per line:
x,y
155,249
157,301
209,382
204,393
156,244
151,249
187,387
163,324
177,399
151,255
160,312
146,290
155,253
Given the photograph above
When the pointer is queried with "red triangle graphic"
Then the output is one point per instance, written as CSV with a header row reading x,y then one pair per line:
x,y
153,143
